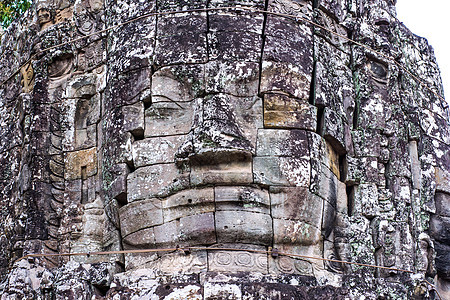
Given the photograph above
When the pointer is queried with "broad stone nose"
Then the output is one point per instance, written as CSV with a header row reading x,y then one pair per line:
x,y
215,136
217,148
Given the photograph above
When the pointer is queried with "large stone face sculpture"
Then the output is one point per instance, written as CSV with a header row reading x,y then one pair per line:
x,y
197,148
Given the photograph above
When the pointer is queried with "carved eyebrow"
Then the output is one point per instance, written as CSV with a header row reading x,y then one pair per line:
x,y
171,100
297,18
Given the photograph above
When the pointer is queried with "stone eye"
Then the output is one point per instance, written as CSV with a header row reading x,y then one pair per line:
x,y
378,70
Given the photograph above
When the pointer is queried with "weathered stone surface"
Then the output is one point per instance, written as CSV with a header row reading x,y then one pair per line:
x,y
237,261
243,227
296,203
285,78
79,164
139,215
186,203
233,172
281,111
156,180
242,199
156,150
270,170
295,232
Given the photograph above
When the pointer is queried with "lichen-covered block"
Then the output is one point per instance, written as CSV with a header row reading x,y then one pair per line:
x,y
289,171
235,78
281,111
278,142
156,180
156,150
333,129
286,79
181,39
241,199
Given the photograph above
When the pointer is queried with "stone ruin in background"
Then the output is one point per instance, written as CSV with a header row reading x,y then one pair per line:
x,y
221,129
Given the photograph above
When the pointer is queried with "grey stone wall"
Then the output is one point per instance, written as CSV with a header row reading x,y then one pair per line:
x,y
223,129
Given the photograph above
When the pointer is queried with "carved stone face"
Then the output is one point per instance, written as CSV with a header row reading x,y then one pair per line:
x,y
44,18
225,156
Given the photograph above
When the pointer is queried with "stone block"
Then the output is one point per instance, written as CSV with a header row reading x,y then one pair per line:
x,y
361,170
231,21
231,45
173,263
181,24
288,171
366,142
213,291
197,229
166,235
281,111
80,163
243,227
288,265
366,200
168,118
442,202
295,232
237,261
442,178
435,126
140,215
287,28
157,150
241,199
442,260
239,79
156,180
125,89
84,138
188,202
293,8
115,182
295,265
235,172
133,118
333,130
286,79
181,49
440,229
181,83
296,203
187,231
297,53
140,239
278,142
